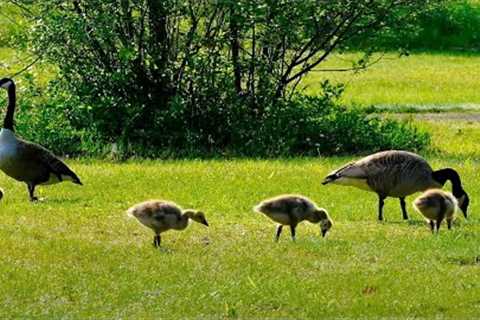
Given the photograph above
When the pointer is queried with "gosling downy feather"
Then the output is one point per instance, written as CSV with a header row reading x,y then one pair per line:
x,y
436,205
161,216
291,210
26,161
397,174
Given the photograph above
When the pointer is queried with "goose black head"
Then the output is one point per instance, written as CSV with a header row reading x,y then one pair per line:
x,y
463,203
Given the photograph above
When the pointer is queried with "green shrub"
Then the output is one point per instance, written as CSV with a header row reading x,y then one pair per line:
x,y
302,125
315,126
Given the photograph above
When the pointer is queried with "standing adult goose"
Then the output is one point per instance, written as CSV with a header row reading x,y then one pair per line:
x,y
26,161
397,174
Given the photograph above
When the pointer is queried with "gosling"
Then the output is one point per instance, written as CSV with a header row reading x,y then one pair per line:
x,y
161,216
291,210
436,205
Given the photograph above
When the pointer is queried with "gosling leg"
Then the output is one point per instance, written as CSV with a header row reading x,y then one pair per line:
x,y
381,202
279,231
404,210
292,231
449,224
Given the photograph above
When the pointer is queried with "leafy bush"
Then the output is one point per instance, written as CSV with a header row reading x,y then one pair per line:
x,y
302,125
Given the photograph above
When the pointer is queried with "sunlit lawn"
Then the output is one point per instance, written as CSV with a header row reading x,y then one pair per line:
x,y
446,80
77,255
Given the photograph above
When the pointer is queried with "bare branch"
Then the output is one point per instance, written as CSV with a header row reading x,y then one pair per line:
x,y
26,67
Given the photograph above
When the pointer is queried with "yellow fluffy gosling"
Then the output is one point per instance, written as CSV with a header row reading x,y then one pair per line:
x,y
293,209
161,216
436,205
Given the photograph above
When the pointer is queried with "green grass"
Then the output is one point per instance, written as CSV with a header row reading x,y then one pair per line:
x,y
76,255
440,80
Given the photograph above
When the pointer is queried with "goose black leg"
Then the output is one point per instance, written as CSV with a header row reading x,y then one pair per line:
x,y
292,231
404,210
279,231
156,241
432,226
381,202
31,191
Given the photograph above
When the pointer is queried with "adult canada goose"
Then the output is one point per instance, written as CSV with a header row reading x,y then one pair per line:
x,y
397,174
436,205
292,209
26,161
161,216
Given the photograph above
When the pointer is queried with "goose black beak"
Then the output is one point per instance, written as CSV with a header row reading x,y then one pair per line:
x,y
324,233
205,222
328,179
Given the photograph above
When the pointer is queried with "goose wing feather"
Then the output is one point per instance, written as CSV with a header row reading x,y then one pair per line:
x,y
44,162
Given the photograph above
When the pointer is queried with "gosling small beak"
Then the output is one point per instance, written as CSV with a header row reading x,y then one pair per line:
x,y
324,232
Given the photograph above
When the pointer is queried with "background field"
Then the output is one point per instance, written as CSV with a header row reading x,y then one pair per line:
x,y
77,254
422,80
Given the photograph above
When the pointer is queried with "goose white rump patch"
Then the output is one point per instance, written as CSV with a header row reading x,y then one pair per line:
x,y
353,182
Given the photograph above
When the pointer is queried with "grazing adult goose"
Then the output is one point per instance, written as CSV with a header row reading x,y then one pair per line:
x,y
436,205
397,174
292,209
161,216
26,161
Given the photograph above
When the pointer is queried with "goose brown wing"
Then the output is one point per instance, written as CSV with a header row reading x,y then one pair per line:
x,y
392,163
167,209
46,160
360,169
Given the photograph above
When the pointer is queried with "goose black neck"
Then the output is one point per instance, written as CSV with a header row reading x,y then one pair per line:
x,y
441,176
8,121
